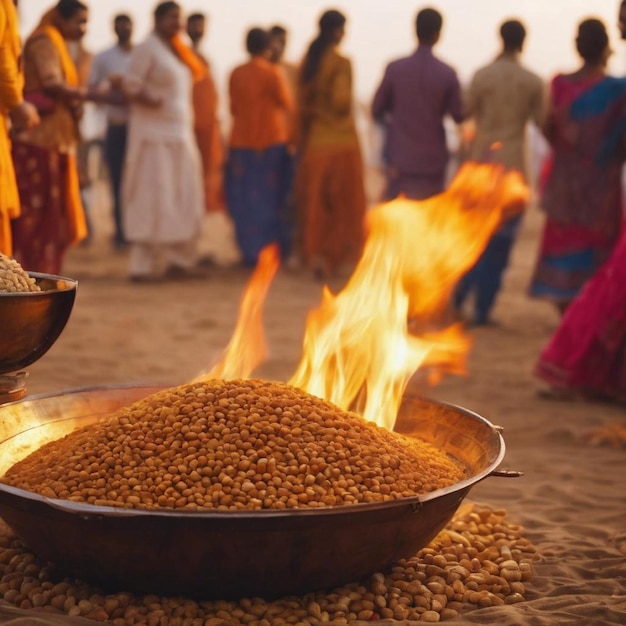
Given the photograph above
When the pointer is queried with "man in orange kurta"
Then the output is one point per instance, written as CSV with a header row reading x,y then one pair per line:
x,y
22,114
206,125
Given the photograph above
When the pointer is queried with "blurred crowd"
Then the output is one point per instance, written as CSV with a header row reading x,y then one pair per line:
x,y
290,171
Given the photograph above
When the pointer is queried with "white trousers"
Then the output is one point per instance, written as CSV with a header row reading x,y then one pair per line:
x,y
153,259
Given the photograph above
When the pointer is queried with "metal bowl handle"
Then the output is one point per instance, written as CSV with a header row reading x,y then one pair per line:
x,y
506,474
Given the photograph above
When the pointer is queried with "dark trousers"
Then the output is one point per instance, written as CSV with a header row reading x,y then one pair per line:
x,y
414,187
114,153
485,278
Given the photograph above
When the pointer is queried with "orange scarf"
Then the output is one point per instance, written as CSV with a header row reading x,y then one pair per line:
x,y
67,63
75,213
10,96
189,58
12,31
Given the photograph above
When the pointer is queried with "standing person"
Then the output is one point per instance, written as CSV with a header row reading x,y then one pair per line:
x,y
107,71
586,356
22,114
220,247
278,44
83,59
257,171
52,216
162,187
330,194
582,190
502,99
412,101
206,125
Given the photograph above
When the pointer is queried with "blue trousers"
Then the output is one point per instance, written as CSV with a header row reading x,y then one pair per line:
x,y
258,187
114,153
485,278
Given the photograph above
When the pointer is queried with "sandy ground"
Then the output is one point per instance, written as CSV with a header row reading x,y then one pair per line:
x,y
572,499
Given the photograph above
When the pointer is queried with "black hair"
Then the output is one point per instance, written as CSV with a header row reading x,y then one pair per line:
x,y
196,16
513,34
164,8
122,17
328,24
592,40
68,8
280,31
257,41
428,24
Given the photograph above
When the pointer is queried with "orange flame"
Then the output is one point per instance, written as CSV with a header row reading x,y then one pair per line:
x,y
358,350
247,348
362,345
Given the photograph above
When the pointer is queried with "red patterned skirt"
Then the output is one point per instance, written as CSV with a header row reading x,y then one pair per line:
x,y
41,235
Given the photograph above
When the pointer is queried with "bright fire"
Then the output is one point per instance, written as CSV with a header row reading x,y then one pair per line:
x,y
362,345
247,348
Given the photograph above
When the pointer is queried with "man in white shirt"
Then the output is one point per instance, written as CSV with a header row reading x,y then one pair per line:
x,y
106,77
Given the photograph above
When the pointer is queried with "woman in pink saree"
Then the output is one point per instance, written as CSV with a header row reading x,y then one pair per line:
x,y
582,190
586,356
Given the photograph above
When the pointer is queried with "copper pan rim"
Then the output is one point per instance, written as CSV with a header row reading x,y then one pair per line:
x,y
89,510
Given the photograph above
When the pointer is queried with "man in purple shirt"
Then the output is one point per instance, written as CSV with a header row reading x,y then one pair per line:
x,y
415,95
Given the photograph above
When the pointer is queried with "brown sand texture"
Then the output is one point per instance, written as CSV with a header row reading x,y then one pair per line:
x,y
571,499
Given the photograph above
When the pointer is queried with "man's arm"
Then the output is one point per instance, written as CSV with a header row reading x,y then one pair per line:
x,y
383,99
471,98
135,84
455,102
539,104
97,74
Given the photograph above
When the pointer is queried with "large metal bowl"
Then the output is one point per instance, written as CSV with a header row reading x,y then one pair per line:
x,y
231,554
31,322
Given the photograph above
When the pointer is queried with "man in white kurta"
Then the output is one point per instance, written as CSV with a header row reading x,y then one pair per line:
x,y
162,189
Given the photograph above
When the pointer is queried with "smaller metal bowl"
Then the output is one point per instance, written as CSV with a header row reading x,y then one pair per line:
x,y
30,323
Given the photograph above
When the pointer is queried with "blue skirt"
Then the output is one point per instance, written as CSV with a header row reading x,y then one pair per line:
x,y
258,193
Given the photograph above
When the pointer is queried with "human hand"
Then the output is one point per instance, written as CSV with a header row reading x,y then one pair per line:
x,y
150,101
77,109
115,81
24,116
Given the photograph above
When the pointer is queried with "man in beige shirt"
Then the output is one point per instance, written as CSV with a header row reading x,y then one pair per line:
x,y
502,99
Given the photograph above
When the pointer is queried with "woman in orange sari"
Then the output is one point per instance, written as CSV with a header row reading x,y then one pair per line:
x,y
329,181
52,216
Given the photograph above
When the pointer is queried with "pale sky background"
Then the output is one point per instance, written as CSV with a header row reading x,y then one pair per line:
x,y
377,30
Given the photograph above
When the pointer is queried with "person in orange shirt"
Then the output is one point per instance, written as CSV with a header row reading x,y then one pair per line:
x,y
258,169
23,115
